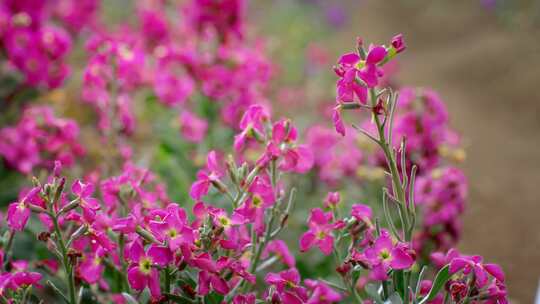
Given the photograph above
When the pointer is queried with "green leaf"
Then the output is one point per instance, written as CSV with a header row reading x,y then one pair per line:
x,y
129,299
399,282
178,298
442,277
373,292
394,299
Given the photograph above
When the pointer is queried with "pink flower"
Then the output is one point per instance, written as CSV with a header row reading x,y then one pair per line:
x,y
287,286
338,121
205,177
332,200
141,272
192,127
473,264
348,88
362,212
321,293
252,125
281,250
209,277
398,43
319,233
173,228
262,197
19,212
383,255
91,268
84,192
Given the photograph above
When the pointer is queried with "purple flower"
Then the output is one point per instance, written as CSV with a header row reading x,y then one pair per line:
x,y
319,233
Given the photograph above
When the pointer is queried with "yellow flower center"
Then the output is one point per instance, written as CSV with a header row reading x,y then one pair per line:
x,y
145,265
385,254
225,221
257,201
172,233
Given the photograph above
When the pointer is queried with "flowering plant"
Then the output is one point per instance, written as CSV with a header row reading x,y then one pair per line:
x,y
113,234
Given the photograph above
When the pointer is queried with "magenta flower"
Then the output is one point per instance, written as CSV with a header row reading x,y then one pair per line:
x,y
362,213
473,264
398,43
193,128
173,228
348,88
338,120
209,277
91,268
321,293
88,204
19,212
319,233
205,177
332,200
141,272
252,125
383,255
287,284
281,250
262,197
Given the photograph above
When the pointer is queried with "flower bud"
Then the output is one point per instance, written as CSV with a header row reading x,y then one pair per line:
x,y
72,205
35,208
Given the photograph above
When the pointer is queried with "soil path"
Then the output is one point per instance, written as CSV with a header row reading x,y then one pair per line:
x,y
489,75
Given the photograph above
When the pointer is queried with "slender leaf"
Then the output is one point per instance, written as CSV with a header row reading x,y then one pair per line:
x,y
442,277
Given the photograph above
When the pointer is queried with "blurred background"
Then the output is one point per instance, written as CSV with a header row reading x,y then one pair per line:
x,y
483,57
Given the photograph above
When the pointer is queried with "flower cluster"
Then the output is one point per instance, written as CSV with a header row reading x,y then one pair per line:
x,y
113,233
34,44
38,139
179,62
441,194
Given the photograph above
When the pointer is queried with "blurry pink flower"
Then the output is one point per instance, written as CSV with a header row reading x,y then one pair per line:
x,y
319,233
192,127
205,177
281,250
383,255
321,293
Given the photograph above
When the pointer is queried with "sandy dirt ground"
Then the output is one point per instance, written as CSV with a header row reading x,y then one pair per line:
x,y
489,74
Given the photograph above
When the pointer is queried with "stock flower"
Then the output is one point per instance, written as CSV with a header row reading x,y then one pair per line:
x,y
206,177
209,275
287,284
261,197
19,212
173,228
84,192
281,250
319,233
141,272
321,293
384,255
38,139
92,266
332,200
192,127
251,124
362,212
473,264
398,44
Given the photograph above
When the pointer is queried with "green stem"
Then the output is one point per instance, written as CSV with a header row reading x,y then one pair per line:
x,y
121,244
8,248
167,280
67,267
397,187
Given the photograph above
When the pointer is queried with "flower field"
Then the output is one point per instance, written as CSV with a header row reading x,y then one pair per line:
x,y
226,151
